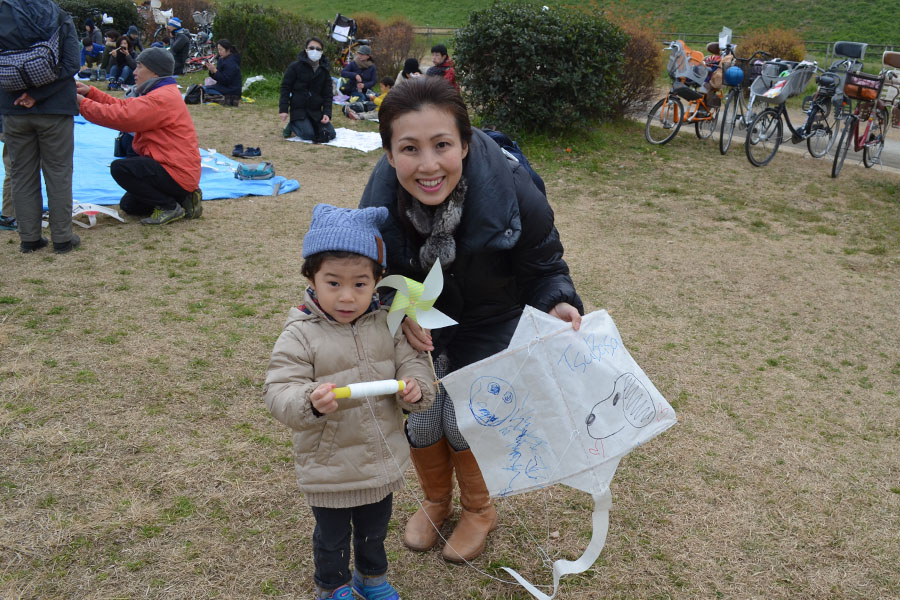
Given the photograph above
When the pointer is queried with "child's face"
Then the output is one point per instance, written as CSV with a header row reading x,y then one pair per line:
x,y
344,287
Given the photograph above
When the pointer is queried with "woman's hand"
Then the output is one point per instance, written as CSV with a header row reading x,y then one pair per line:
x,y
412,393
323,400
283,117
418,338
567,313
211,67
358,78
325,119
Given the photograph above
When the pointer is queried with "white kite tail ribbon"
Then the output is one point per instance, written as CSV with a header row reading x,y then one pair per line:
x,y
600,519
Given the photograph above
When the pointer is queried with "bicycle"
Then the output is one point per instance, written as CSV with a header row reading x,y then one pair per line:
x,y
689,76
161,18
779,81
870,107
738,112
343,30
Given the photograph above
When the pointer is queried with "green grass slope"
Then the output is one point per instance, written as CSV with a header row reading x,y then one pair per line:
x,y
873,21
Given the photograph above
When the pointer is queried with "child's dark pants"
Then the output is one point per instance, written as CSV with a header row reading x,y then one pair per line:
x,y
331,542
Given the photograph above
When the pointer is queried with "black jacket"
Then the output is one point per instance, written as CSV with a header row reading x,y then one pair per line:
x,y
508,253
228,75
306,92
24,22
180,47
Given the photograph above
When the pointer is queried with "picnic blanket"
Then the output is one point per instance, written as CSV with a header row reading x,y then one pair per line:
x,y
348,138
92,183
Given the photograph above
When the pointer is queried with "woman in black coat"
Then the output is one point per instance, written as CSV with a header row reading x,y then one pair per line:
x,y
226,71
454,197
306,95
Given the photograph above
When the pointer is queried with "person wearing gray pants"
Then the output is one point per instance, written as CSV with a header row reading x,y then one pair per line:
x,y
38,123
8,211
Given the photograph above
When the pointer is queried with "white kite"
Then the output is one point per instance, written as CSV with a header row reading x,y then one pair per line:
x,y
558,406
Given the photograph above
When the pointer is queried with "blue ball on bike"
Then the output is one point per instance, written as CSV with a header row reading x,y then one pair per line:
x,y
734,76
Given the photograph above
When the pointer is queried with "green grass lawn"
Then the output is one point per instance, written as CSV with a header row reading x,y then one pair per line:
x,y
872,21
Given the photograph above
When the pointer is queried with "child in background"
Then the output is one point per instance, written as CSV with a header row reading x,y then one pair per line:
x,y
350,454
91,56
368,110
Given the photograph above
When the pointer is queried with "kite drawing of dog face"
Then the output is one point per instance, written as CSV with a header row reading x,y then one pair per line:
x,y
629,403
492,400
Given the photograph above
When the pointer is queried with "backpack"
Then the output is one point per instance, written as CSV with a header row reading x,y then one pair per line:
x,y
194,94
512,150
263,170
30,67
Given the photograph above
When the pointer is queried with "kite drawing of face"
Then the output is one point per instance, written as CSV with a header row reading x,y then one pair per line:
x,y
492,400
629,403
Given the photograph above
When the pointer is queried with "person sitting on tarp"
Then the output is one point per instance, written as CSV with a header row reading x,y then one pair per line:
x,y
163,180
360,73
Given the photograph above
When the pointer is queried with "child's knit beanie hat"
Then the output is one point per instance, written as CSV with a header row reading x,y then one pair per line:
x,y
347,229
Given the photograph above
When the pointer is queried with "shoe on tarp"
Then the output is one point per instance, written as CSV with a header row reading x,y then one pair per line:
x,y
238,150
161,217
66,247
8,223
29,247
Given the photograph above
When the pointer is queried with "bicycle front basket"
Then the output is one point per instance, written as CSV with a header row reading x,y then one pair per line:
x,y
343,28
862,86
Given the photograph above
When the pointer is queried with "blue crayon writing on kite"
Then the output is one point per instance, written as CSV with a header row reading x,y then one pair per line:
x,y
370,388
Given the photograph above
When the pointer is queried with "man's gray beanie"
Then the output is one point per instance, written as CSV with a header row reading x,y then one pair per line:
x,y
160,61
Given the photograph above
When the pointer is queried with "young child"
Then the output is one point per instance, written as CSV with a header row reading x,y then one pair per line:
x,y
368,110
346,451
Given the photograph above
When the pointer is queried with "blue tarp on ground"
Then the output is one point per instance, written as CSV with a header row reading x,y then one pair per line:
x,y
92,183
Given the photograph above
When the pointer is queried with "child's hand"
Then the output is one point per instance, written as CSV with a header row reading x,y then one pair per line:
x,y
411,393
323,400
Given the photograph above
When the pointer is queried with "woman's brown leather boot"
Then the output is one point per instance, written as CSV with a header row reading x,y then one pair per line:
x,y
435,472
479,517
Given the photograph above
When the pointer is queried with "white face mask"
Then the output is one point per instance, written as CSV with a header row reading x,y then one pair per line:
x,y
314,55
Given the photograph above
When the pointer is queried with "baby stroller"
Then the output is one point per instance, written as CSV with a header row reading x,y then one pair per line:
x,y
343,29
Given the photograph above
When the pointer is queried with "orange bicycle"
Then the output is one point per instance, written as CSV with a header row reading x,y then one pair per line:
x,y
690,78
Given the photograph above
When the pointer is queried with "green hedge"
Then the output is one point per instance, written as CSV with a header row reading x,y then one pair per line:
x,y
123,12
526,68
268,39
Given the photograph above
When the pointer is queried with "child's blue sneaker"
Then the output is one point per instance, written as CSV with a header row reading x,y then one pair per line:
x,y
382,591
342,593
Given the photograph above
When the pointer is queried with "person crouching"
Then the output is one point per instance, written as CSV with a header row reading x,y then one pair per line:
x,y
162,181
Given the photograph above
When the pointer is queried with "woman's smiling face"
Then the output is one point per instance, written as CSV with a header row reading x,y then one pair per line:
x,y
427,152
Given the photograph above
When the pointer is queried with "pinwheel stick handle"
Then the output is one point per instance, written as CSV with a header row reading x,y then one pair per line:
x,y
370,388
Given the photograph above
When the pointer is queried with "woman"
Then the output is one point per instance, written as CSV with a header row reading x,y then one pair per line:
x,y
226,71
360,73
454,197
122,65
92,31
306,95
410,71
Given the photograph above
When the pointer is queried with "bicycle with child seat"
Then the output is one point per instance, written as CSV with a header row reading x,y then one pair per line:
x,y
871,109
690,77
779,81
343,30
738,112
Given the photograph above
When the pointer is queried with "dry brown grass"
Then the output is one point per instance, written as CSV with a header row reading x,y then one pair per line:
x,y
137,459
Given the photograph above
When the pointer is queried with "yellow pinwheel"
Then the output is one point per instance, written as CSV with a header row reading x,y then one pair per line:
x,y
416,300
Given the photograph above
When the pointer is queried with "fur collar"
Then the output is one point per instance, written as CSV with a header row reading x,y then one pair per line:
x,y
438,225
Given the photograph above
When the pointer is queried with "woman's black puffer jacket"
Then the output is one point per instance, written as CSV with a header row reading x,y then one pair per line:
x,y
306,91
508,253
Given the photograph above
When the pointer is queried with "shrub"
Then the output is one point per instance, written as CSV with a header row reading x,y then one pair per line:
x,y
643,58
393,46
123,13
184,10
526,68
780,43
269,39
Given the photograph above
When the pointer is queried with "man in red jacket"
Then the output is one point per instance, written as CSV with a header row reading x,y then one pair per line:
x,y
163,179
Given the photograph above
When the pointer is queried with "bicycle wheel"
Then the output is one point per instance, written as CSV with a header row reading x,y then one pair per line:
x,y
706,127
729,115
763,137
844,145
875,143
822,131
161,34
664,120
